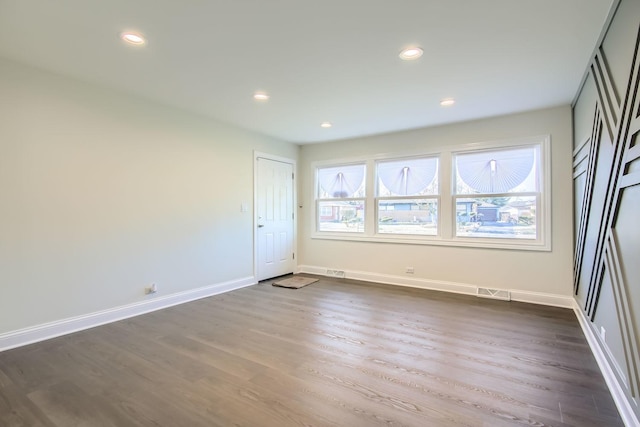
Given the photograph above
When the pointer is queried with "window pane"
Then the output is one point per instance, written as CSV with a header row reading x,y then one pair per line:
x,y
498,171
341,215
410,177
341,181
417,216
496,217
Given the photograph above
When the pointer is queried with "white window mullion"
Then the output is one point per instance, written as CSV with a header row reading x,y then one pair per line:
x,y
446,203
370,203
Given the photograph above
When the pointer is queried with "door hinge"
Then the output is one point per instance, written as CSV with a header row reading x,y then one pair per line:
x,y
293,175
294,255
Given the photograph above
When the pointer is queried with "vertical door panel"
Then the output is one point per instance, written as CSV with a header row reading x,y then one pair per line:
x,y
275,222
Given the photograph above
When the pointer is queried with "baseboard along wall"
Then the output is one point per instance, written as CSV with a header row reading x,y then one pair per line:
x,y
440,285
58,328
608,370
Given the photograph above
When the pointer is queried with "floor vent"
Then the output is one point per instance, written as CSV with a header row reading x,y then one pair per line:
x,y
335,273
494,294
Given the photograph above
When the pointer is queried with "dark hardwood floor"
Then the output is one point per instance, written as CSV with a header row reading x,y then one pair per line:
x,y
335,353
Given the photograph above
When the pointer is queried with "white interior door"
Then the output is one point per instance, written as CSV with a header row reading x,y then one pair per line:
x,y
274,218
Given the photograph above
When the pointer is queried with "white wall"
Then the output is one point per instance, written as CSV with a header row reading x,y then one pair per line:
x,y
102,194
528,271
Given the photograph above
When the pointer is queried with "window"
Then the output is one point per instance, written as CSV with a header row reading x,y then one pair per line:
x,y
481,195
497,193
407,196
341,198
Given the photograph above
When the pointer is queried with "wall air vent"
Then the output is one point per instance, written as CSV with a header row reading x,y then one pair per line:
x,y
500,294
335,273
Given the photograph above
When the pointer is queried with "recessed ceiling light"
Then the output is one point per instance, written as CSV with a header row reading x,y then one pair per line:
x,y
325,125
447,102
133,38
411,53
260,96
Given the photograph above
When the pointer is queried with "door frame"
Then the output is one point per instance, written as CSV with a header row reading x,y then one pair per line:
x,y
293,163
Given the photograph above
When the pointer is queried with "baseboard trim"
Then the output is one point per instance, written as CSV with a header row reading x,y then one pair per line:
x,y
617,391
388,279
58,328
553,300
445,286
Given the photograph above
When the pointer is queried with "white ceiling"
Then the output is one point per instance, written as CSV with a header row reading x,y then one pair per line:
x,y
329,60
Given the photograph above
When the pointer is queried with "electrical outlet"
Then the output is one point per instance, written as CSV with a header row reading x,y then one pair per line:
x,y
409,270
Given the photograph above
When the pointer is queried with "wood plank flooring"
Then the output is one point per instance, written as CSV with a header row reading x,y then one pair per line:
x,y
335,353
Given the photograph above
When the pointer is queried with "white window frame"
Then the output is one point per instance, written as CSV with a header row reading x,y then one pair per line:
x,y
319,200
447,200
378,198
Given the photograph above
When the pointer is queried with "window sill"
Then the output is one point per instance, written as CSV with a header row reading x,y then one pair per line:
x,y
479,243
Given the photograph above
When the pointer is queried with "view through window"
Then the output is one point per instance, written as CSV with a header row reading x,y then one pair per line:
x,y
497,193
493,195
341,198
407,201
